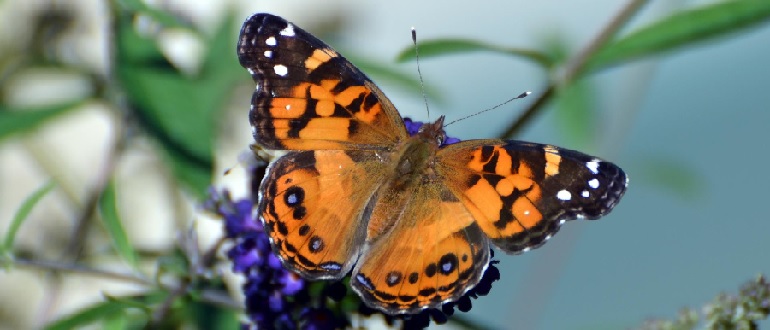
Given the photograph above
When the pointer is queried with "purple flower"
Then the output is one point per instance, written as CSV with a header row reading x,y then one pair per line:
x,y
413,127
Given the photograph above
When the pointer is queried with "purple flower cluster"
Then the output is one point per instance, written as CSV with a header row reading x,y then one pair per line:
x,y
268,285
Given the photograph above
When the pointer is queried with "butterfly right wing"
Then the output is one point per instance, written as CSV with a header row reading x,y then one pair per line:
x,y
308,96
521,192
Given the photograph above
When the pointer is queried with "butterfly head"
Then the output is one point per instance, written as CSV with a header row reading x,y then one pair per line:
x,y
433,132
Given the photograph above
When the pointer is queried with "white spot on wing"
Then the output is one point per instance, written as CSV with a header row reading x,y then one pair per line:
x,y
585,194
593,166
562,221
564,195
281,70
268,53
270,41
250,71
288,107
288,31
593,183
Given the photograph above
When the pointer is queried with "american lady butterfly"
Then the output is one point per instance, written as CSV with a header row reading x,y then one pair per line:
x,y
412,217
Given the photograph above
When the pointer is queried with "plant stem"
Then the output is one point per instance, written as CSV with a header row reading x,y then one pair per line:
x,y
209,296
575,66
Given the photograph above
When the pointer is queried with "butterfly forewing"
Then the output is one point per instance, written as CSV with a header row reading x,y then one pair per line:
x,y
521,192
308,96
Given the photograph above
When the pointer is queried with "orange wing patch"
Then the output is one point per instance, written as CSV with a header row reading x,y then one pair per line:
x,y
501,190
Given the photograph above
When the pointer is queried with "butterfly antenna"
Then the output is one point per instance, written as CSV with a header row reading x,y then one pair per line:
x,y
419,73
520,96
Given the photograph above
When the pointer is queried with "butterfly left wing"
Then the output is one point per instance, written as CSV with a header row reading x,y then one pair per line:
x,y
521,192
423,249
308,96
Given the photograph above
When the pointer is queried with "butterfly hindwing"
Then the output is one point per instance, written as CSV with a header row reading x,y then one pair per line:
x,y
521,192
301,198
308,96
424,248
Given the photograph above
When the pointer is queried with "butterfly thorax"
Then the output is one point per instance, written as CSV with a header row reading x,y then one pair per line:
x,y
415,163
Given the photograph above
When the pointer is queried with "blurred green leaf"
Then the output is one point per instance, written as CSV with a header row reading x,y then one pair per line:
x,y
114,226
13,121
208,316
575,103
451,46
100,311
682,30
178,110
576,115
160,16
671,174
220,60
116,322
22,213
111,308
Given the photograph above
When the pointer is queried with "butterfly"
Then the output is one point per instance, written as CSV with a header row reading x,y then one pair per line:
x,y
411,216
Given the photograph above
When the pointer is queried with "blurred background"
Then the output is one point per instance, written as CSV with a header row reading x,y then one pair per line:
x,y
690,128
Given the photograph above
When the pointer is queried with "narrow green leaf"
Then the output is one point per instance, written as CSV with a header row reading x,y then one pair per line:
x,y
13,121
111,308
99,311
176,109
575,103
22,213
114,226
576,112
672,175
450,46
116,322
682,30
220,59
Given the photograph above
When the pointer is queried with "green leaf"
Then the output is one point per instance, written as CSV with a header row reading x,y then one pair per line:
x,y
160,16
116,322
576,115
682,30
220,59
451,46
111,308
176,109
672,175
13,121
575,104
114,226
22,213
100,311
